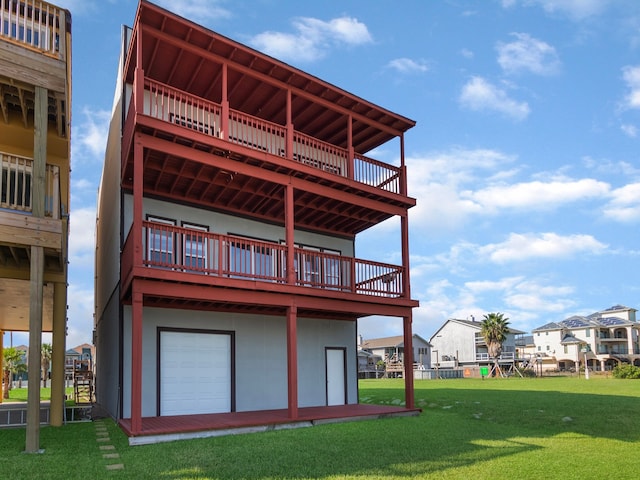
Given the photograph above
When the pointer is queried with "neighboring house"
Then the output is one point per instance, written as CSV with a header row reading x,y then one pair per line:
x,y
459,343
233,189
79,358
35,115
603,339
392,352
369,365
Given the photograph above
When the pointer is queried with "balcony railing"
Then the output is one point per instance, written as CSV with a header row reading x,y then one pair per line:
x,y
204,253
16,185
484,357
32,23
174,106
612,350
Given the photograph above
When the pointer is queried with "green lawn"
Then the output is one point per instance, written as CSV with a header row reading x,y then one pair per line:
x,y
551,428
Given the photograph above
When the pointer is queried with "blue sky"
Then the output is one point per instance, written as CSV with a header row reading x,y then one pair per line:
x,y
524,160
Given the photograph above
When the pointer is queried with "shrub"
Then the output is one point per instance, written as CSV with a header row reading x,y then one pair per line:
x,y
624,370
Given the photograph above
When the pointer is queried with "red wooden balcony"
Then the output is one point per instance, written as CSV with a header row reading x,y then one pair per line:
x,y
191,112
176,249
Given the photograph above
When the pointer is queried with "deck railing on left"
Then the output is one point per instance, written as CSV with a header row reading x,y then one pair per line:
x,y
16,185
32,23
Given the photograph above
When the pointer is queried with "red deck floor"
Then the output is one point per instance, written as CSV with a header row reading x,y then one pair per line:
x,y
180,426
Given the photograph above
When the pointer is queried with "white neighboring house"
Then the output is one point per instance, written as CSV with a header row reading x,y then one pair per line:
x,y
609,337
460,343
391,350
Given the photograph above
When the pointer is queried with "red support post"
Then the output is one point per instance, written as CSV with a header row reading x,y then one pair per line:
x,y
289,139
136,360
406,283
292,361
408,362
289,224
350,150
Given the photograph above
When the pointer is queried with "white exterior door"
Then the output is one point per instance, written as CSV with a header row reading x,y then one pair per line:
x,y
336,387
195,373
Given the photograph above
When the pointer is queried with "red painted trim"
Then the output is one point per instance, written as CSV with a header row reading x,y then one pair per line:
x,y
138,189
350,149
224,117
289,222
192,154
136,361
251,296
404,227
408,362
292,362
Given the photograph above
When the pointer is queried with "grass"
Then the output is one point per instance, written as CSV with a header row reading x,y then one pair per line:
x,y
20,394
556,428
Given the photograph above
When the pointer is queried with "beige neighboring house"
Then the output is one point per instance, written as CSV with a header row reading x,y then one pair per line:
x,y
459,343
391,351
602,340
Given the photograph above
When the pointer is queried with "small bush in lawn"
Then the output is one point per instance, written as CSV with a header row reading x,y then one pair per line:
x,y
626,371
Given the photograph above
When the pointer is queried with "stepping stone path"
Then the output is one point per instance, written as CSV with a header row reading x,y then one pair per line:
x,y
108,450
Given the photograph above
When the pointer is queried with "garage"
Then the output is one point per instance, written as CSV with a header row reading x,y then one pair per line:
x,y
195,372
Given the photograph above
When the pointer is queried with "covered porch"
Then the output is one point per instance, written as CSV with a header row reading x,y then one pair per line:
x,y
181,427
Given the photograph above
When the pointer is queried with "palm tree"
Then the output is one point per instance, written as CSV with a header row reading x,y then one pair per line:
x,y
46,362
494,328
13,363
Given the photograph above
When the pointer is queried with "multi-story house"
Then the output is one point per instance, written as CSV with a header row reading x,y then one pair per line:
x,y
459,343
35,106
602,340
233,189
391,351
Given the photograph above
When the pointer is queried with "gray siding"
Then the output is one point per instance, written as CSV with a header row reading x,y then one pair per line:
x,y
260,355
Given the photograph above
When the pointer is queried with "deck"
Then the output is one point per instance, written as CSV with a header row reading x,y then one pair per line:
x,y
181,427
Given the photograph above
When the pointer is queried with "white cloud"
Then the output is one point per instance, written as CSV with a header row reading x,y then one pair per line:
x,y
312,38
90,136
466,53
436,180
480,95
407,65
80,325
631,76
519,247
82,238
629,130
527,54
625,204
536,195
576,10
199,10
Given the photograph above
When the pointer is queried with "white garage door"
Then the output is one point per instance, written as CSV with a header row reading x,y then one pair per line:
x,y
195,373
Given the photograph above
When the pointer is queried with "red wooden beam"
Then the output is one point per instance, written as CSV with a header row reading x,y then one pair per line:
x,y
292,361
408,362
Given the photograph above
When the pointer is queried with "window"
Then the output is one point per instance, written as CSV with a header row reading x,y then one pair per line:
x,y
539,348
249,257
548,348
194,247
566,349
587,332
317,268
161,242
